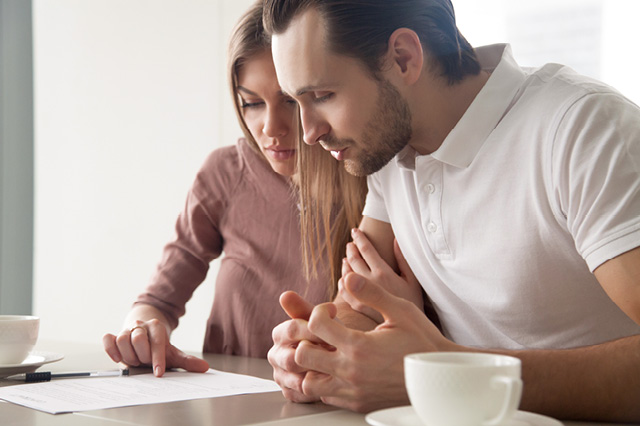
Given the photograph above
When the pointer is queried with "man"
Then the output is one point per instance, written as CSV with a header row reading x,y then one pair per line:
x,y
513,194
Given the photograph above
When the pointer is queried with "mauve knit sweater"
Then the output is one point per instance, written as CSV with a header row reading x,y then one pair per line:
x,y
239,207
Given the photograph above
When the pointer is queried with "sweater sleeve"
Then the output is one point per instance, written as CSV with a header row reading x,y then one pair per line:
x,y
198,238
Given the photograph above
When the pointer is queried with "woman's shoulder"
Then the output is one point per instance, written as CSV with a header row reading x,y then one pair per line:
x,y
223,157
232,158
228,166
227,161
239,168
221,170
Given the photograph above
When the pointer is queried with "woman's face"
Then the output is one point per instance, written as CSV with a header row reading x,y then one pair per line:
x,y
268,113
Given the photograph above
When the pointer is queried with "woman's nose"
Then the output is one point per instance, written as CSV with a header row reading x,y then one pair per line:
x,y
277,122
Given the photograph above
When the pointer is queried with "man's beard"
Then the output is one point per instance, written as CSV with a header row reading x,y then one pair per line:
x,y
387,133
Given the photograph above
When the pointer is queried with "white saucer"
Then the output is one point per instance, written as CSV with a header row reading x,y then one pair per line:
x,y
406,416
33,361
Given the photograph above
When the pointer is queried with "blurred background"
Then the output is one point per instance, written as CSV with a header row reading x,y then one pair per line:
x,y
109,107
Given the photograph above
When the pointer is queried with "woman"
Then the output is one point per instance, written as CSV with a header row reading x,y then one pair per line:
x,y
243,203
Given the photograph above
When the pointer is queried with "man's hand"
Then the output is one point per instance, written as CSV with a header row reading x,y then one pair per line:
x,y
286,338
363,259
365,371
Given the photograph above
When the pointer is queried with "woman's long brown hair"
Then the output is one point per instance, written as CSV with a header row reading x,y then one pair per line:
x,y
331,200
331,203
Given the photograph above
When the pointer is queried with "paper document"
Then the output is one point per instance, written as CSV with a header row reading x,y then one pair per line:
x,y
69,395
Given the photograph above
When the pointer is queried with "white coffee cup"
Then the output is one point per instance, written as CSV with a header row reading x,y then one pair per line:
x,y
463,388
18,335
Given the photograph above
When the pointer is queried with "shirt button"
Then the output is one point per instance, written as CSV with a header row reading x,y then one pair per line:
x,y
431,188
432,227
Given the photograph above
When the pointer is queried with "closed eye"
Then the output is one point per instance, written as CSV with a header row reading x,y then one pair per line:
x,y
246,105
319,97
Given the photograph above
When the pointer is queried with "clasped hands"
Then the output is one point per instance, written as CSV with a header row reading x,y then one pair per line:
x,y
349,353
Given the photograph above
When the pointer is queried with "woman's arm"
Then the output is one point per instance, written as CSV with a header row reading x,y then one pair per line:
x,y
377,242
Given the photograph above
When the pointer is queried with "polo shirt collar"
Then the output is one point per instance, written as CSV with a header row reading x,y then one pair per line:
x,y
485,112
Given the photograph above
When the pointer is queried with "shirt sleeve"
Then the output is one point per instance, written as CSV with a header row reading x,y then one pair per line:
x,y
596,169
374,206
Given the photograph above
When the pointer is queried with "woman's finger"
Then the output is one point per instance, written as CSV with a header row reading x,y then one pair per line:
x,y
356,263
178,359
140,343
367,251
346,268
129,357
158,339
392,308
111,348
356,305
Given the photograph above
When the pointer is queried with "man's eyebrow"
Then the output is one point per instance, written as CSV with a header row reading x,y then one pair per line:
x,y
324,86
306,89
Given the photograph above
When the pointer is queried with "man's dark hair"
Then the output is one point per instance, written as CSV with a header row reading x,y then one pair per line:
x,y
361,29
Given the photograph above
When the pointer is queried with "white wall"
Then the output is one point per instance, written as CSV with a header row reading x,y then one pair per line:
x,y
620,60
130,96
595,37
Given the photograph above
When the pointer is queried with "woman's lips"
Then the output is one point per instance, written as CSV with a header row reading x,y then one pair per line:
x,y
280,154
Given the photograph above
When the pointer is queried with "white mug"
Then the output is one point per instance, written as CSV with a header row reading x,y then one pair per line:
x,y
18,335
463,388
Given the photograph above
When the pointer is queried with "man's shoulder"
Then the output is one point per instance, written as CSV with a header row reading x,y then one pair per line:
x,y
554,83
389,170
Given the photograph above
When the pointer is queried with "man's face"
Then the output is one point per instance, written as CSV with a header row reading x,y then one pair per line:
x,y
360,120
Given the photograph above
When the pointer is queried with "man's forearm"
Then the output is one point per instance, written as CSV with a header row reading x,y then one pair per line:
x,y
595,383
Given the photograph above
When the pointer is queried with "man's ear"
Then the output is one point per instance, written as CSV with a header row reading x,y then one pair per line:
x,y
405,55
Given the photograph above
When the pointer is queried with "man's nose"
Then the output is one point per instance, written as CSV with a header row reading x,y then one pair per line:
x,y
313,126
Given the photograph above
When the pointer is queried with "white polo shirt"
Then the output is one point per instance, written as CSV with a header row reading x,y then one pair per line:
x,y
536,186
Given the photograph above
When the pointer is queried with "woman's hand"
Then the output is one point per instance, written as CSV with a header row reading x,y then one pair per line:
x,y
363,259
147,343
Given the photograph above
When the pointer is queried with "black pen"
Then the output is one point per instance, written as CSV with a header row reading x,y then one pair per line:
x,y
46,376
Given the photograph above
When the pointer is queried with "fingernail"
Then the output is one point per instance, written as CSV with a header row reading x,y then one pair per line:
x,y
354,232
156,371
